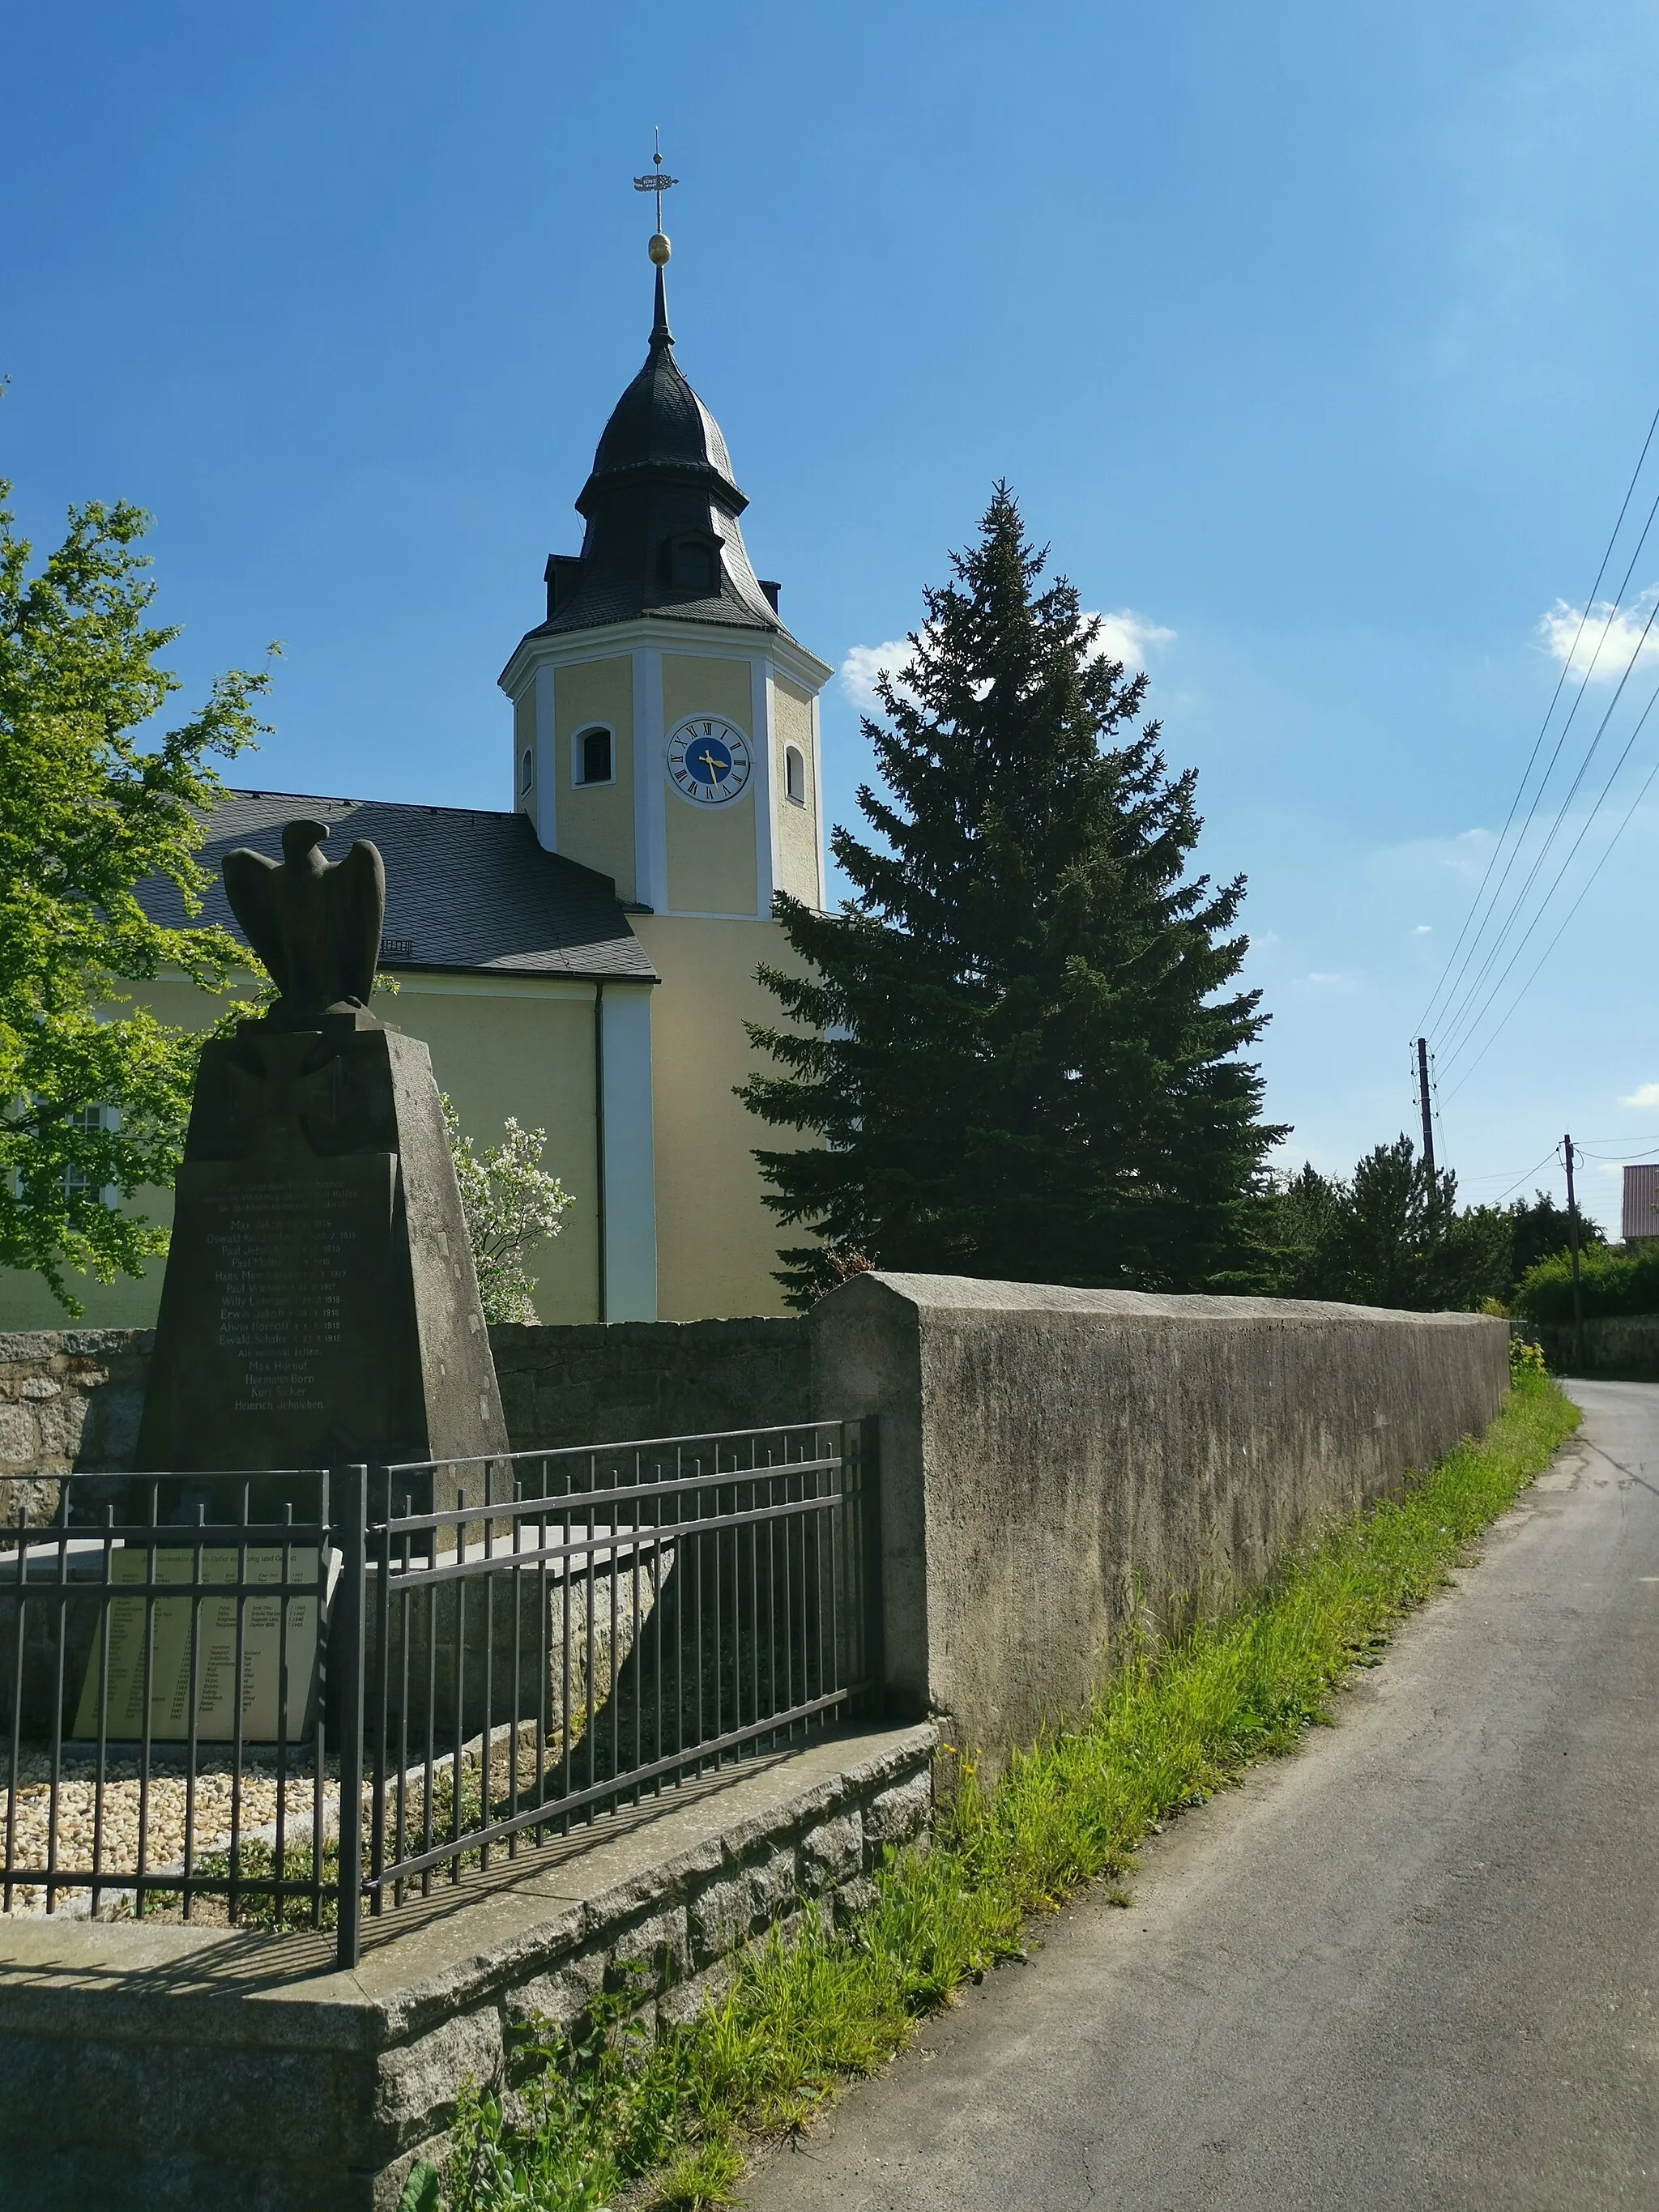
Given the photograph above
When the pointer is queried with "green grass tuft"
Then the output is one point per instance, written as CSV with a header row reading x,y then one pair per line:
x,y
1171,1727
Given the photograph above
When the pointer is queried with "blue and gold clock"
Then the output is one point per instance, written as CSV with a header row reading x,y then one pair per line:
x,y
708,759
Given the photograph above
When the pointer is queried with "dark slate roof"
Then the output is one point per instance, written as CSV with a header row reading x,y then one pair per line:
x,y
659,423
465,889
661,471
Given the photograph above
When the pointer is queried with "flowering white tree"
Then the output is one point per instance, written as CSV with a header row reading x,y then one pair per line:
x,y
509,1200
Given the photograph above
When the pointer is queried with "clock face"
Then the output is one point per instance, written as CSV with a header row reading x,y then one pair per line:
x,y
708,759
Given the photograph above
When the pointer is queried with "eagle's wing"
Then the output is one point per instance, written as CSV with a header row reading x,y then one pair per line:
x,y
251,887
357,896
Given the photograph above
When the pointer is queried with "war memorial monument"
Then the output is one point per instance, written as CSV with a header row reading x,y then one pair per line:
x,y
320,1307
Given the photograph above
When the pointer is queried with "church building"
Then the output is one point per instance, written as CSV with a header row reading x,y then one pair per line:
x,y
584,958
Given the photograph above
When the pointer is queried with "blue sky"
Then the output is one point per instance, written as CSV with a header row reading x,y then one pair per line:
x,y
1319,344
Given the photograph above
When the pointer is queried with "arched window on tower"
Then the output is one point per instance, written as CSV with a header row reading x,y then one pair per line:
x,y
794,775
526,771
591,757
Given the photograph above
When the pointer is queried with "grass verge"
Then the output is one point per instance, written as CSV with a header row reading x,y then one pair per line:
x,y
592,2116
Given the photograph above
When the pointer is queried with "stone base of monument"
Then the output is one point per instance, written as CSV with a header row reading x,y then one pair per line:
x,y
321,1306
532,1648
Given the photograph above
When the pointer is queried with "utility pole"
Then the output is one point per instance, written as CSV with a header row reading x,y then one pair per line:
x,y
1423,1095
1573,1234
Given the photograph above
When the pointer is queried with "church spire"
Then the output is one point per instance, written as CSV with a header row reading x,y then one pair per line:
x,y
656,180
660,503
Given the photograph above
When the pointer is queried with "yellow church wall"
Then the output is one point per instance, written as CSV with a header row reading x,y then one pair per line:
x,y
703,682
716,1242
711,855
798,833
499,1047
595,820
710,850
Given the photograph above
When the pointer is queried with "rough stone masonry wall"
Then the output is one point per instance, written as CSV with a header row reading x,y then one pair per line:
x,y
196,2068
1059,1466
596,1383
1624,1346
70,1399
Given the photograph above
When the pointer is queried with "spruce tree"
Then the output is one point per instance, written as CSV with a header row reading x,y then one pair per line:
x,y
1012,1053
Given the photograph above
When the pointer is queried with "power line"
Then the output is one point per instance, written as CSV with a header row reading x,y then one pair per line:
x,y
1556,939
1469,1023
1543,726
1572,852
1553,1154
1572,713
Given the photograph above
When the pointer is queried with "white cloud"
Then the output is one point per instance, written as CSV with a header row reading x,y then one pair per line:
x,y
1645,1094
1424,929
1602,644
1127,636
1124,636
864,664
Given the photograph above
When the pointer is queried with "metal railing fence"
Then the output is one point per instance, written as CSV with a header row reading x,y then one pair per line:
x,y
274,1699
132,1766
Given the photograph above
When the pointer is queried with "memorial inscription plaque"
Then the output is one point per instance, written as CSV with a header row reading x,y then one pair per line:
x,y
320,1305
279,1660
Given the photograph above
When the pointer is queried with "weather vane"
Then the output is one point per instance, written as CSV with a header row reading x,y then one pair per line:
x,y
659,182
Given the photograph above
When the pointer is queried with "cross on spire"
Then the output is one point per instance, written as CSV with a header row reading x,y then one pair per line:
x,y
657,181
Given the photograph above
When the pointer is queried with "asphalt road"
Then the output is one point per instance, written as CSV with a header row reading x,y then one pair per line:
x,y
1413,1965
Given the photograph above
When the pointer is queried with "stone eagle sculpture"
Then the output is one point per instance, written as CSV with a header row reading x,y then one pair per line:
x,y
316,925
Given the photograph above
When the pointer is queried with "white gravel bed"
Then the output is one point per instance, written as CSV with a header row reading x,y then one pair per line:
x,y
164,1813
164,1810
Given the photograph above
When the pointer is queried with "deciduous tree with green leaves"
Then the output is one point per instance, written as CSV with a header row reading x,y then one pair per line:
x,y
94,1091
510,1202
1015,1052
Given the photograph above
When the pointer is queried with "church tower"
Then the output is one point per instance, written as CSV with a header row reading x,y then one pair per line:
x,y
665,734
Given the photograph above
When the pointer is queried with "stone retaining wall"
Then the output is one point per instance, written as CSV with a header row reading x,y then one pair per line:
x,y
70,1399
605,1384
148,2065
1061,1466
1622,1347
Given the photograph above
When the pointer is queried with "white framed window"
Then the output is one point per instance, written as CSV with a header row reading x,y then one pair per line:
x,y
75,1179
593,755
526,771
794,776
90,1117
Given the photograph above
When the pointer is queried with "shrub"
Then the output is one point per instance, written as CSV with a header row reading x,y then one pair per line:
x,y
1526,1362
1609,1283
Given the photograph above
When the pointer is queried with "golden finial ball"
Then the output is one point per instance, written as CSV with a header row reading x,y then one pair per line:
x,y
658,249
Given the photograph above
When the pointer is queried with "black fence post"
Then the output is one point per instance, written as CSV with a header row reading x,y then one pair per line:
x,y
346,1651
869,1466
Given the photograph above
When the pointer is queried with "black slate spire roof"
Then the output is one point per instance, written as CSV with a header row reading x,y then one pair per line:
x,y
661,507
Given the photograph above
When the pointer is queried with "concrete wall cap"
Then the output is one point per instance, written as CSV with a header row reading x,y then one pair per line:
x,y
967,1294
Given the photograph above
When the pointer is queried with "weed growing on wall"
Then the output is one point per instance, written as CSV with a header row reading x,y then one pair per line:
x,y
1173,1726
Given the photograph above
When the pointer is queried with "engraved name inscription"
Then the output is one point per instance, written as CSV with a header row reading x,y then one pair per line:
x,y
281,1255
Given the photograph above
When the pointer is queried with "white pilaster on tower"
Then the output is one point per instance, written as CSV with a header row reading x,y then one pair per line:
x,y
766,875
